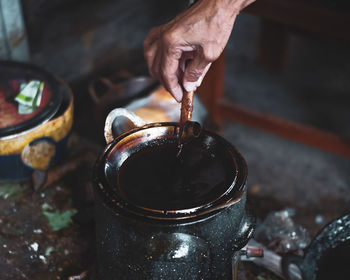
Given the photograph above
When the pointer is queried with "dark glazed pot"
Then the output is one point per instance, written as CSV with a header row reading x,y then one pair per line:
x,y
327,256
199,242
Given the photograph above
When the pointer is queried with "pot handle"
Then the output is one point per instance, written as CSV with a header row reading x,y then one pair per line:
x,y
287,261
246,231
119,121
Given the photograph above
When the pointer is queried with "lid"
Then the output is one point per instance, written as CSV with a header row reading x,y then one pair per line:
x,y
140,174
12,76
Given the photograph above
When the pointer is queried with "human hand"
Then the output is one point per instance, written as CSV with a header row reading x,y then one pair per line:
x,y
180,52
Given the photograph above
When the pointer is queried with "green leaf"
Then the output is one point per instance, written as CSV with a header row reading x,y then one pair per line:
x,y
10,190
58,220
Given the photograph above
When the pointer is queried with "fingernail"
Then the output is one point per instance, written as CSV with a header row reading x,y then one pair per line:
x,y
190,86
177,93
200,80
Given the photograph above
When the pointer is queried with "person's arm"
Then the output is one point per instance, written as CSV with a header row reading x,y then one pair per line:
x,y
197,36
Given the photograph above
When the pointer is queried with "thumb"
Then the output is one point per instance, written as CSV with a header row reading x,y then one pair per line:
x,y
194,73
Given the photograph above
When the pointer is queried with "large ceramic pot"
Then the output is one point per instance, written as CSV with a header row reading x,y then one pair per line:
x,y
172,234
37,140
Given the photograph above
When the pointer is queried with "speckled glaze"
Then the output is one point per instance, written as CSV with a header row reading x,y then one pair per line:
x,y
331,236
138,244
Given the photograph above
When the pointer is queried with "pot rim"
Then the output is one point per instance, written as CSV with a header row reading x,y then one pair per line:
x,y
116,203
331,235
29,71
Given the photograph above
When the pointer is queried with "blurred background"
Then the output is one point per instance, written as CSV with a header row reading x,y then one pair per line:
x,y
287,59
284,59
280,93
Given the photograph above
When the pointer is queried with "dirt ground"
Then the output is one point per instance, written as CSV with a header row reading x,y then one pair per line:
x,y
49,233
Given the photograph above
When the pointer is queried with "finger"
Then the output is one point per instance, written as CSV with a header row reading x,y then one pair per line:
x,y
169,72
150,56
185,58
155,68
200,80
152,36
150,47
194,73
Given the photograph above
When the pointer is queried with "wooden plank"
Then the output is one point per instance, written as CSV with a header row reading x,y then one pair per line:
x,y
273,45
211,90
308,135
305,15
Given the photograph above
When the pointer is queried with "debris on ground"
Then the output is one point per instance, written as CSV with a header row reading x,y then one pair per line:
x,y
281,234
58,220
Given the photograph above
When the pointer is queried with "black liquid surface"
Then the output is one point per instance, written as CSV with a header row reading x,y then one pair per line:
x,y
335,263
156,178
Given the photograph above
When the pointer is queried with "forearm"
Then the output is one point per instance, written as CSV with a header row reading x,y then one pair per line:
x,y
231,7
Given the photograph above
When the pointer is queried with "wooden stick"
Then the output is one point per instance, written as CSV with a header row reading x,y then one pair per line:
x,y
43,179
186,107
186,115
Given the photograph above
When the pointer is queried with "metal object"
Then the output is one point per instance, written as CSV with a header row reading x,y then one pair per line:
x,y
269,260
199,242
13,36
251,252
336,233
108,95
157,106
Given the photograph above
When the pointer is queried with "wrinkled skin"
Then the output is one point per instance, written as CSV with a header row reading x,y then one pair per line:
x,y
180,52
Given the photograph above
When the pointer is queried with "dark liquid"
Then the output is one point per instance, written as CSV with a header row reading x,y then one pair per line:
x,y
156,178
335,263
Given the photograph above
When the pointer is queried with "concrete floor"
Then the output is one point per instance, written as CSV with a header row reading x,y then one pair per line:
x,y
90,38
313,88
289,171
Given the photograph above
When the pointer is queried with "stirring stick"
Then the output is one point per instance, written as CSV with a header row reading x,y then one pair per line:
x,y
186,108
186,114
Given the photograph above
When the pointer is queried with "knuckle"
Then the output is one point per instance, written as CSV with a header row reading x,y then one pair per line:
x,y
174,52
210,54
210,57
148,54
169,38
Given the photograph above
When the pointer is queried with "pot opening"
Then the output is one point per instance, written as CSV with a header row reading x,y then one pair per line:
x,y
143,173
156,178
